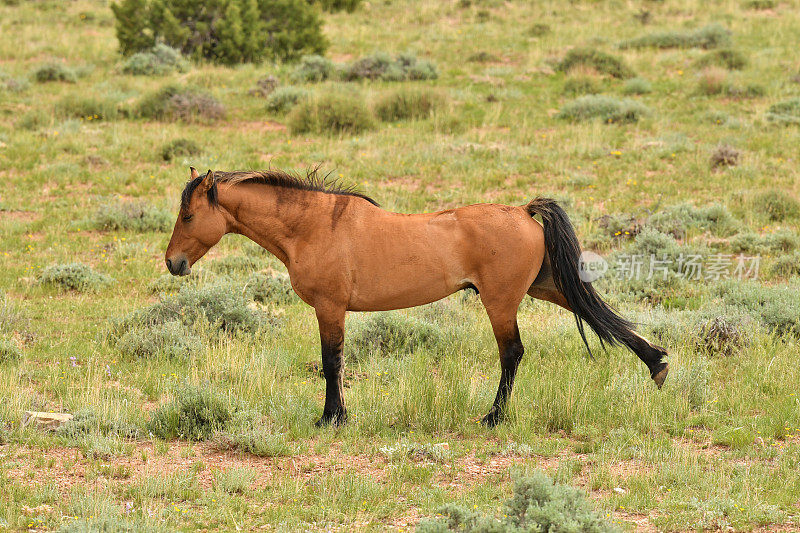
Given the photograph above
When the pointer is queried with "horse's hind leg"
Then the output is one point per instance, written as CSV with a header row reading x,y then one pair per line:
x,y
506,332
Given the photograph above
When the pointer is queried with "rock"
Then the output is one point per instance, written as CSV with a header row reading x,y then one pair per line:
x,y
45,420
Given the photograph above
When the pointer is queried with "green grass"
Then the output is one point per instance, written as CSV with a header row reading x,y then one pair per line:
x,y
717,448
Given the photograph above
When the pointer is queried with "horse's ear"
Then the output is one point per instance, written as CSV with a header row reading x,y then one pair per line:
x,y
193,173
208,181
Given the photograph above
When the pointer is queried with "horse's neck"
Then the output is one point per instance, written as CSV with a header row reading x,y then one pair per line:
x,y
271,217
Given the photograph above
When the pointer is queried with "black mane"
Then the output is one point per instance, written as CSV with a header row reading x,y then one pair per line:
x,y
277,178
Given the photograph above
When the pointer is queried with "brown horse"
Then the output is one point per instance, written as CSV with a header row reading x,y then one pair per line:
x,y
344,253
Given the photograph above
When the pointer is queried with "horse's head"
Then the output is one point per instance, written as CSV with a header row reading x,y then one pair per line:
x,y
200,225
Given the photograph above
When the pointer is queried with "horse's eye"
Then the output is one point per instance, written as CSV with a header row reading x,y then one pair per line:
x,y
187,218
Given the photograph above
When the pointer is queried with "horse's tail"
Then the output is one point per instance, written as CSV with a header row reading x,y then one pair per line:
x,y
564,252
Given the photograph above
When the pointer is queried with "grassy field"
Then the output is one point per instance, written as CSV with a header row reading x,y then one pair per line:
x,y
690,149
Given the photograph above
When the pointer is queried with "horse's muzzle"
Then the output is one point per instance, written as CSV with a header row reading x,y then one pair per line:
x,y
178,266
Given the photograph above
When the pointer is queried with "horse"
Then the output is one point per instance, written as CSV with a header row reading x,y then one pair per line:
x,y
345,253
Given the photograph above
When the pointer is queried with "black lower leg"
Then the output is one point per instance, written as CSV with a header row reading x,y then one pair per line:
x,y
510,357
652,356
334,411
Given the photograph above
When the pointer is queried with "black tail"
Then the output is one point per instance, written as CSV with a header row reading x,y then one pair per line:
x,y
564,251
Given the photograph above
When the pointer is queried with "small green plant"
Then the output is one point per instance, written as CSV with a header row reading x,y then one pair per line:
x,y
180,103
712,81
785,113
194,413
271,287
313,69
711,36
724,155
177,486
728,58
86,108
264,86
596,60
408,104
381,65
170,340
390,333
54,72
233,480
605,108
723,335
9,351
283,99
637,86
538,504
407,450
140,216
74,277
249,433
538,29
760,4
774,307
776,205
159,60
676,220
576,85
333,113
179,148
483,57
88,422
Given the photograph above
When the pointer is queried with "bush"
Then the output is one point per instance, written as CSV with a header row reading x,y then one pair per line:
x,y
179,148
264,86
283,99
722,335
382,66
483,57
582,85
54,72
271,287
86,108
538,29
313,69
159,60
785,266
391,333
14,85
595,59
223,31
724,155
676,220
107,524
712,81
785,113
691,382
140,216
408,104
711,36
726,57
337,5
170,340
9,351
223,305
606,108
760,4
637,86
776,205
247,432
180,103
749,242
774,307
87,422
233,480
75,277
194,413
333,113
538,504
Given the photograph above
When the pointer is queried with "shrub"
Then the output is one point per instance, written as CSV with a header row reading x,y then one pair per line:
x,y
760,4
283,99
194,413
776,205
711,36
180,103
406,450
179,148
313,69
222,304
381,65
538,29
247,432
582,85
75,277
391,333
159,60
637,86
14,85
787,265
691,381
408,104
264,86
724,155
88,422
785,113
725,57
712,81
483,57
136,215
86,108
233,480
9,351
606,108
235,265
54,72
774,307
107,524
271,287
170,339
538,504
677,219
223,31
337,5
779,241
722,335
595,59
334,113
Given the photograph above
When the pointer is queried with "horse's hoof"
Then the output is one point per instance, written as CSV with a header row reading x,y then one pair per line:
x,y
492,419
333,419
661,375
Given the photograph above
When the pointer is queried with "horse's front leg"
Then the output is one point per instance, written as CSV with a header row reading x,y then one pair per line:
x,y
331,333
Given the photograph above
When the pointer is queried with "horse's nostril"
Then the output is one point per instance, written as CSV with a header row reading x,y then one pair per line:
x,y
169,265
